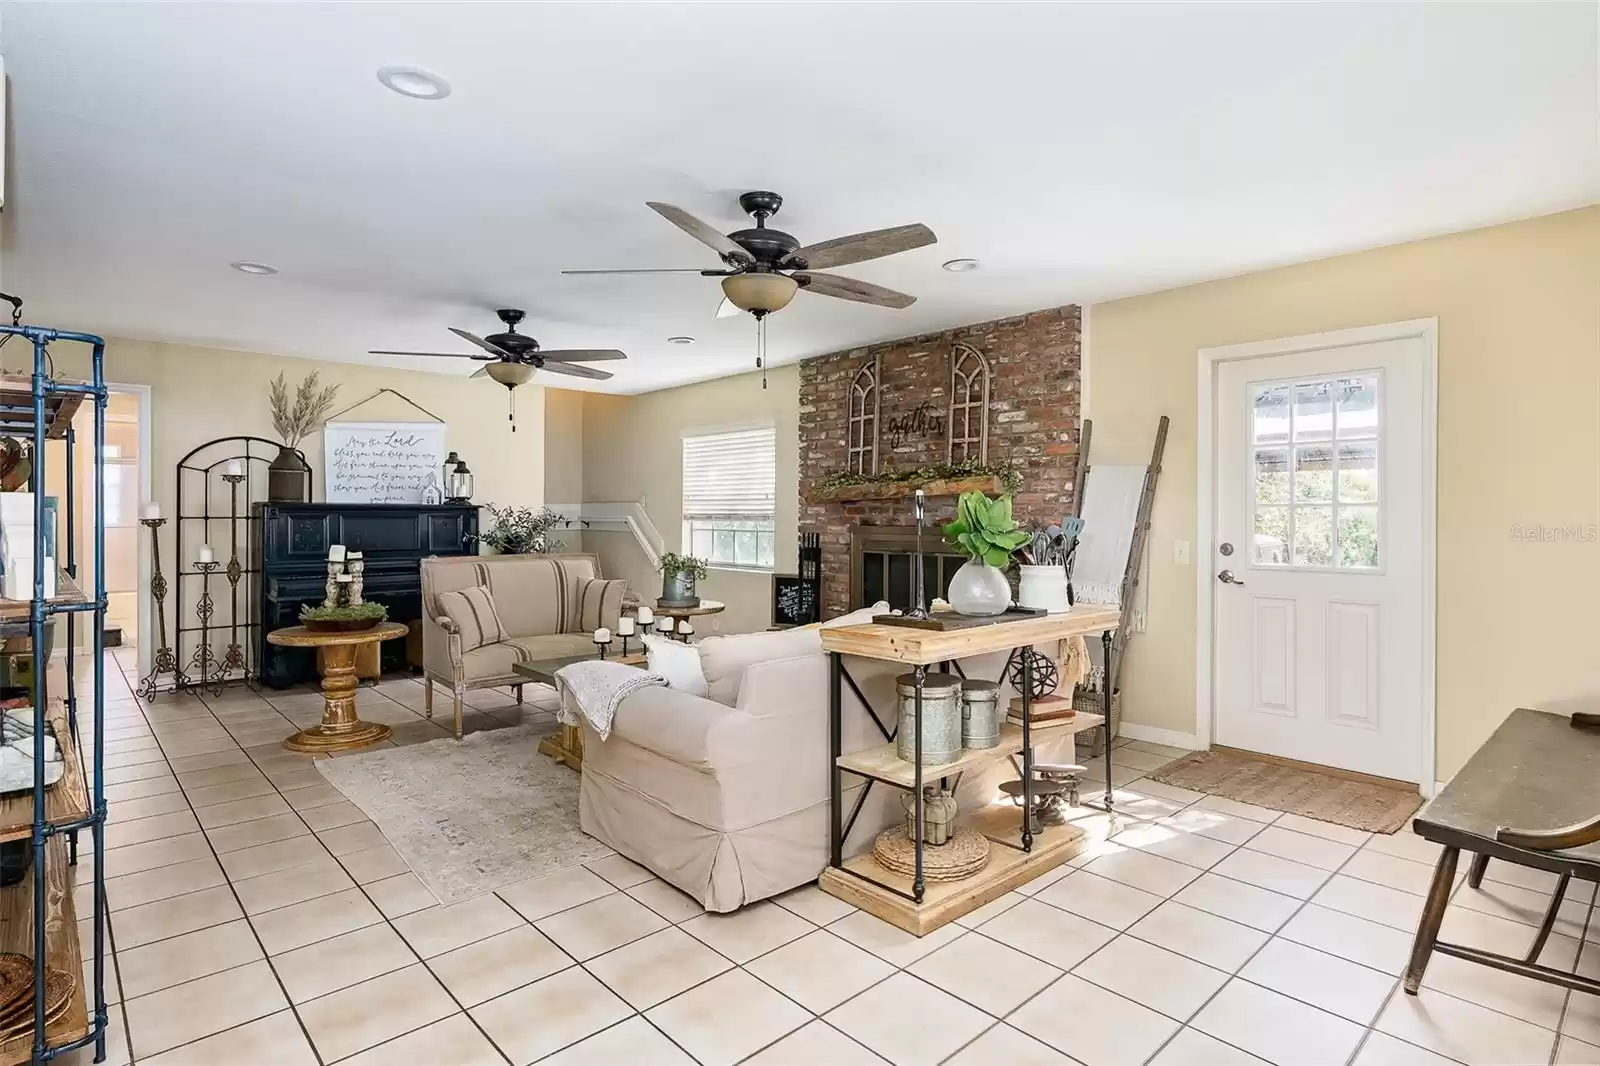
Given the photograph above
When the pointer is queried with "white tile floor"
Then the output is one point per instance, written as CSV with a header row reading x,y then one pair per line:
x,y
260,920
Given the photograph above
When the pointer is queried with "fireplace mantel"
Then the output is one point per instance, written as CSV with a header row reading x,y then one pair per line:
x,y
899,490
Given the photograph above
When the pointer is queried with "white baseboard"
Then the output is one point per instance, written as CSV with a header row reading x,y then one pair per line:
x,y
1170,737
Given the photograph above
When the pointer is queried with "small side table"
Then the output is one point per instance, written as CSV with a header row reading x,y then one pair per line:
x,y
339,729
704,607
565,745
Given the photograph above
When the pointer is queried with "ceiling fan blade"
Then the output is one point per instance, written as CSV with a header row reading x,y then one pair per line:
x,y
700,231
481,372
727,308
642,270
577,371
581,355
859,247
862,292
497,352
439,355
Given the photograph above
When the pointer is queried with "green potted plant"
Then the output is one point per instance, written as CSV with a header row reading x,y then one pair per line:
x,y
679,574
343,619
519,530
986,533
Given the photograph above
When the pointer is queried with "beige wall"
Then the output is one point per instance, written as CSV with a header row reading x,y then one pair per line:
x,y
1519,443
198,394
631,453
563,458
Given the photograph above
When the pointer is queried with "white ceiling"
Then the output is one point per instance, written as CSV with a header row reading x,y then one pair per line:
x,y
1080,151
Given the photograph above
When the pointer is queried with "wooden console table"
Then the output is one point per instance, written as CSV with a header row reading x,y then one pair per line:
x,y
339,729
1018,853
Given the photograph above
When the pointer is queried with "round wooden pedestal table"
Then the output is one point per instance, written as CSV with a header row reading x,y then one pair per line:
x,y
678,614
339,729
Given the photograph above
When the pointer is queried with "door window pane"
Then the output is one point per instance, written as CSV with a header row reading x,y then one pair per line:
x,y
1272,475
1313,474
1313,536
1271,542
1358,406
1272,415
1358,537
1358,472
1313,410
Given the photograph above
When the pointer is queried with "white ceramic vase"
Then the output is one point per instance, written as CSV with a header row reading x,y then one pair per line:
x,y
979,589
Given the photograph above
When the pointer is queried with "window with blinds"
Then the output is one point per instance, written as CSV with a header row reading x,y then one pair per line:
x,y
729,487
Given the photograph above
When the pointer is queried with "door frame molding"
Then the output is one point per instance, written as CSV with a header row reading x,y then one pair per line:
x,y
1209,362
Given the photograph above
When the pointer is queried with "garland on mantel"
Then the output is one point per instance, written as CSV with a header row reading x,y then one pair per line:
x,y
1010,477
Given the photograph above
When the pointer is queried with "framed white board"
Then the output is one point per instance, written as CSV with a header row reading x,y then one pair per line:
x,y
381,462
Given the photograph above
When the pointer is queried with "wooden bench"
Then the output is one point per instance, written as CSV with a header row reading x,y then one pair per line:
x,y
1530,796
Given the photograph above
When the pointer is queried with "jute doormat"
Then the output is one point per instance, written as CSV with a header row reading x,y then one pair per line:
x,y
1327,797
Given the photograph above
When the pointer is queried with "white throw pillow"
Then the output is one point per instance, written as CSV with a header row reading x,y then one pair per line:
x,y
676,661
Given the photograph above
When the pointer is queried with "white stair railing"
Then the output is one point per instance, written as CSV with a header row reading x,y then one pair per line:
x,y
616,516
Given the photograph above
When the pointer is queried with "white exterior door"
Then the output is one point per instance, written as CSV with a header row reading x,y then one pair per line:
x,y
1318,557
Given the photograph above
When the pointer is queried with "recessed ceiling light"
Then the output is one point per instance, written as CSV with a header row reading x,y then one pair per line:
x,y
680,340
244,266
414,82
960,266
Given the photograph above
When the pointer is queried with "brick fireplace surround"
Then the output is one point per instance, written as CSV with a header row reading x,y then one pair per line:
x,y
1034,404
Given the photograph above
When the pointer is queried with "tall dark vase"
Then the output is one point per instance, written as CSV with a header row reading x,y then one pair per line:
x,y
288,477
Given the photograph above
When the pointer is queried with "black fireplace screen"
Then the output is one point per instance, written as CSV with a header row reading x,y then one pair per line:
x,y
883,560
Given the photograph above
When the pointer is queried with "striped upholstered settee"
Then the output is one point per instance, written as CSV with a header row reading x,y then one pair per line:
x,y
536,607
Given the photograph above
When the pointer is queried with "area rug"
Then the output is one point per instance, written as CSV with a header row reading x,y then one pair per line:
x,y
1366,805
471,816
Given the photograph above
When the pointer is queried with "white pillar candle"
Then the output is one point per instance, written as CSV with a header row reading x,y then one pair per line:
x,y
234,468
664,625
685,628
336,553
602,635
206,554
646,615
352,557
152,511
625,626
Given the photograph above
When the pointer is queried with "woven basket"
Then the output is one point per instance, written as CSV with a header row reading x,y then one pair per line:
x,y
1091,741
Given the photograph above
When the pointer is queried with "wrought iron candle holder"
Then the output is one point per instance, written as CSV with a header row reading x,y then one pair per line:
x,y
919,603
233,659
204,659
164,662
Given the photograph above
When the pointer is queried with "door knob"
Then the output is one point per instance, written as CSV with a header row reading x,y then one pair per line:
x,y
1227,578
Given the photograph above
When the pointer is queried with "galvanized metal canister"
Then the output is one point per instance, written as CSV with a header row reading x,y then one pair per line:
x,y
980,714
941,718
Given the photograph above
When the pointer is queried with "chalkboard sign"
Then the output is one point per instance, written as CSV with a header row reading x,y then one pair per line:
x,y
381,462
796,600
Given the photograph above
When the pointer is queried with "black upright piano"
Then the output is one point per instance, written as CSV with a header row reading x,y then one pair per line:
x,y
291,564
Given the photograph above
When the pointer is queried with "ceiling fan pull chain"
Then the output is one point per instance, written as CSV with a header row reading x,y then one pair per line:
x,y
511,403
761,348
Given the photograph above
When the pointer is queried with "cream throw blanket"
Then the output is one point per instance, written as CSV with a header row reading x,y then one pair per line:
x,y
596,687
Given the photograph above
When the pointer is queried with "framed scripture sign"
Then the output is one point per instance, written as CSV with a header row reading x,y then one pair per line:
x,y
381,462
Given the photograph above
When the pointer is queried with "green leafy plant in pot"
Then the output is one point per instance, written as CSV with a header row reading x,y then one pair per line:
x,y
986,533
679,575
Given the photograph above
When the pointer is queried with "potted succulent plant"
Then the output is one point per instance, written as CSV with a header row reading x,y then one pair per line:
x,y
679,574
986,533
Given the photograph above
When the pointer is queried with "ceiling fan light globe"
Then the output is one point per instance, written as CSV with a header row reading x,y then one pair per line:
x,y
759,291
510,374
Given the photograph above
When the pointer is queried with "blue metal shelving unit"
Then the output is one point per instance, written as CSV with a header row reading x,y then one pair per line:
x,y
85,1019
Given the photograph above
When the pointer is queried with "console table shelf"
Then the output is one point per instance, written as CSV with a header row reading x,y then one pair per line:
x,y
883,763
1020,850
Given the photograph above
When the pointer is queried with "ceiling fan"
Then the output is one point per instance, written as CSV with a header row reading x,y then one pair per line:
x,y
513,356
764,268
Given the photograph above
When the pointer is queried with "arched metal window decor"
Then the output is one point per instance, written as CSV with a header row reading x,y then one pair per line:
x,y
217,638
969,405
861,430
